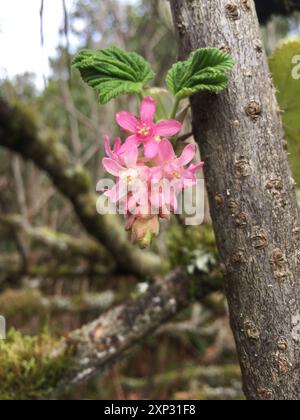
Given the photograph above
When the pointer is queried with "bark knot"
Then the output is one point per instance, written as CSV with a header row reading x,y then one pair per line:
x,y
282,344
181,28
232,11
259,239
253,110
219,200
246,5
282,363
279,265
298,257
240,220
226,49
242,168
237,257
296,233
258,46
275,184
251,330
234,207
266,394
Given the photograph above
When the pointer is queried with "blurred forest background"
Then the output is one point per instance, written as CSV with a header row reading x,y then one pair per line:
x,y
53,278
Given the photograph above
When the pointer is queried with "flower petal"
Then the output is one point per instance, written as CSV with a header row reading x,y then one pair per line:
x,y
187,154
112,167
127,121
148,109
167,128
166,151
156,173
117,145
151,149
195,168
107,146
129,143
131,156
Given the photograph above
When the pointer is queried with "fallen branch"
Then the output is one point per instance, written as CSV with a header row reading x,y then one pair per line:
x,y
98,345
19,133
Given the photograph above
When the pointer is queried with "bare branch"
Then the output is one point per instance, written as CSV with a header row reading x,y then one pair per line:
x,y
98,345
59,242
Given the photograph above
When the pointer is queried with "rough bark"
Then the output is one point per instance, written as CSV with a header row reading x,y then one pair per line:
x,y
251,194
19,133
98,345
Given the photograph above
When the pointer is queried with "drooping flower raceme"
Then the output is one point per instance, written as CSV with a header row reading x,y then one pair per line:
x,y
149,175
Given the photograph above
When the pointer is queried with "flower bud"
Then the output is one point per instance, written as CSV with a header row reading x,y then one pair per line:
x,y
144,230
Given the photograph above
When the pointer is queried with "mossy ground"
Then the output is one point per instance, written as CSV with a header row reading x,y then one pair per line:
x,y
27,369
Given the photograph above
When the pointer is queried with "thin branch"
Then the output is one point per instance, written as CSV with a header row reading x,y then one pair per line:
x,y
20,189
42,23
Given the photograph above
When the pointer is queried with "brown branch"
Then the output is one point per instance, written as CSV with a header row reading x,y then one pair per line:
x,y
19,133
55,241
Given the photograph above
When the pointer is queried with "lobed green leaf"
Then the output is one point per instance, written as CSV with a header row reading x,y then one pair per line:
x,y
113,72
206,70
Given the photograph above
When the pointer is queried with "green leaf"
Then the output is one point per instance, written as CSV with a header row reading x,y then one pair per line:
x,y
113,72
206,70
288,95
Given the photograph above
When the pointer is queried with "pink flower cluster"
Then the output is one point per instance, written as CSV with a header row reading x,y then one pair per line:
x,y
149,175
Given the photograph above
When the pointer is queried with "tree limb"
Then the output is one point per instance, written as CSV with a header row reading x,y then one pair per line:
x,y
55,241
98,345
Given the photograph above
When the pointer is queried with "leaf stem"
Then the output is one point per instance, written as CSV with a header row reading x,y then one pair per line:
x,y
175,108
142,94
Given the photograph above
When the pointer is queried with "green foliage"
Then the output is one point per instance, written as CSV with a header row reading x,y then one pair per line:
x,y
206,70
288,94
27,371
192,247
113,72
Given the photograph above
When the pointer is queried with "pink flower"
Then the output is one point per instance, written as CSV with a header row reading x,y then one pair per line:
x,y
119,151
164,196
174,168
144,130
131,176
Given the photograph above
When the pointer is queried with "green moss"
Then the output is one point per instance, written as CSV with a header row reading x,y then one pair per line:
x,y
81,180
192,247
27,371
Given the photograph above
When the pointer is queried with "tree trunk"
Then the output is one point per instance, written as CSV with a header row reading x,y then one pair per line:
x,y
251,192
